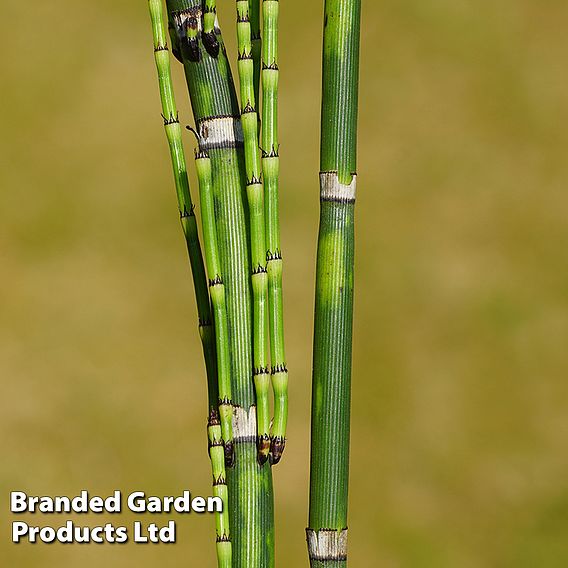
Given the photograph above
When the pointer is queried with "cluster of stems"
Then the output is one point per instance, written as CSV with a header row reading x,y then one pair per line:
x,y
331,380
240,300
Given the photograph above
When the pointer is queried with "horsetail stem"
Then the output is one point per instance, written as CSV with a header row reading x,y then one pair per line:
x,y
216,454
270,168
209,37
254,11
215,110
217,292
249,120
185,204
331,386
173,132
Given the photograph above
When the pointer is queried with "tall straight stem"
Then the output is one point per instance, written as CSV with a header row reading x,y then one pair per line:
x,y
220,135
331,382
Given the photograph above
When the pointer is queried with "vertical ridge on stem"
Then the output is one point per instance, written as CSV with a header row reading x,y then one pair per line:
x,y
220,134
331,381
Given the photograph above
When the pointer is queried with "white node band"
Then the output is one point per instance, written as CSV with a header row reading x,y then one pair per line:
x,y
244,424
331,189
220,132
327,544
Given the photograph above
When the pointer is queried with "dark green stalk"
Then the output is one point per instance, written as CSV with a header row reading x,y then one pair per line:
x,y
189,225
216,114
331,387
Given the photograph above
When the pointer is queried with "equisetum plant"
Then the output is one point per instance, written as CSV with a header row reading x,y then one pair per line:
x,y
240,300
239,288
331,381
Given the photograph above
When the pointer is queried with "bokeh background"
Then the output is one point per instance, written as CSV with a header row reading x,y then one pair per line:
x,y
460,392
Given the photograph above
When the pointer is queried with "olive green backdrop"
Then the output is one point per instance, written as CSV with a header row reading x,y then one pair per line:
x,y
460,422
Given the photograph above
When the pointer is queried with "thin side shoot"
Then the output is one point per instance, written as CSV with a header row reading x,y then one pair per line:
x,y
189,225
256,40
218,300
270,167
209,36
249,120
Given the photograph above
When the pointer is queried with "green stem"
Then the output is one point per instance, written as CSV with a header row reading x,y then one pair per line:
x,y
189,225
270,167
249,120
217,456
217,292
216,114
254,10
331,386
209,18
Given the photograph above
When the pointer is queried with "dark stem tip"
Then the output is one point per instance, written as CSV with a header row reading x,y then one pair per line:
x,y
213,419
277,449
263,446
211,43
190,49
229,454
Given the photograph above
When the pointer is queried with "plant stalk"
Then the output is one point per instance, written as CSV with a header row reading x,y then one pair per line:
x,y
331,381
259,277
220,135
270,168
189,225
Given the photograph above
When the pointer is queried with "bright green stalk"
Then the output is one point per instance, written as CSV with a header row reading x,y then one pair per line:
x,y
331,389
217,456
216,114
270,167
254,10
187,216
249,120
209,37
189,225
217,292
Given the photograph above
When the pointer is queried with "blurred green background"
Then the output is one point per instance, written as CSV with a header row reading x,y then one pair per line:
x,y
460,420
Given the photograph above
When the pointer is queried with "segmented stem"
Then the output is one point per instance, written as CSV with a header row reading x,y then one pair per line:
x,y
209,20
217,456
189,225
249,120
215,110
209,15
270,167
331,385
254,11
217,292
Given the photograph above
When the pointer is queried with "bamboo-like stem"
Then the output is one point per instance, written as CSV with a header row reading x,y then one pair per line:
x,y
189,225
254,10
217,456
217,292
209,18
249,120
270,167
331,386
216,114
